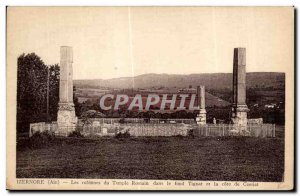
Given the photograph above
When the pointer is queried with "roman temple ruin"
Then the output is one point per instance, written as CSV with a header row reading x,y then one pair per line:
x,y
67,122
66,118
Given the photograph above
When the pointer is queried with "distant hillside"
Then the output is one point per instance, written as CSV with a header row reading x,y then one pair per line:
x,y
211,101
211,81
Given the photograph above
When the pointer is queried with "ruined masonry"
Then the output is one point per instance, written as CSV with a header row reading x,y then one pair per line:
x,y
239,107
201,117
66,118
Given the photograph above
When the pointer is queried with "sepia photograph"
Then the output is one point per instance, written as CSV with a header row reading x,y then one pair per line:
x,y
150,98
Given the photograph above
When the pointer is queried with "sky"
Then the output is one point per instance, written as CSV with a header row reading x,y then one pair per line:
x,y
112,42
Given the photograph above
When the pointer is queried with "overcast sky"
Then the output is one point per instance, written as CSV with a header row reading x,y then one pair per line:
x,y
119,41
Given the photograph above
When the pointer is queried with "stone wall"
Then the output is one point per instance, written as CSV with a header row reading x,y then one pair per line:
x,y
151,129
253,130
42,127
136,129
138,120
255,121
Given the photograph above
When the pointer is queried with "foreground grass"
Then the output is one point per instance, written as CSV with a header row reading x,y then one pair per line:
x,y
176,158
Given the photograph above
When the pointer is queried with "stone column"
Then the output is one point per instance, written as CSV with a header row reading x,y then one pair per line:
x,y
66,118
201,117
239,107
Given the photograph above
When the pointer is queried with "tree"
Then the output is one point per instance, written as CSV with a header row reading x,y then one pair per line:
x,y
31,90
53,91
77,105
32,76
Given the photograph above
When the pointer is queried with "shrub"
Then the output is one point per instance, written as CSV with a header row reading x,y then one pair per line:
x,y
41,139
126,134
191,133
122,121
76,134
179,136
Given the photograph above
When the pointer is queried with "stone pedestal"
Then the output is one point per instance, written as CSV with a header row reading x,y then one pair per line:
x,y
239,107
201,117
66,118
239,117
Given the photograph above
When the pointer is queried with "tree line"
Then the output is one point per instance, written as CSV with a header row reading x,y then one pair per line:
x,y
32,82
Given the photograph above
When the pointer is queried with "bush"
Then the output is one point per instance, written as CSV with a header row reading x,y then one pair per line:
x,y
41,139
191,133
122,121
179,136
76,134
126,134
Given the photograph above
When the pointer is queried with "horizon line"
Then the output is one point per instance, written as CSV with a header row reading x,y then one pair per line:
x,y
174,74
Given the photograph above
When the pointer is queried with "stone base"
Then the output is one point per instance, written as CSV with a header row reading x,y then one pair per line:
x,y
239,117
66,119
201,117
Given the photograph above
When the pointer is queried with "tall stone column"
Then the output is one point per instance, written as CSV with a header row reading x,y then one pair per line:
x,y
66,118
239,107
201,117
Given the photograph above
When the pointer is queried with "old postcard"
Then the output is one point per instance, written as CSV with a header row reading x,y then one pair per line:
x,y
150,98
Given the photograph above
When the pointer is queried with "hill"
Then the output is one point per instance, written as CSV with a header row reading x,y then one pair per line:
x,y
210,80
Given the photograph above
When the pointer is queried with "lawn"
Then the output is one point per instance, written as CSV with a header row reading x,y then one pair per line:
x,y
174,158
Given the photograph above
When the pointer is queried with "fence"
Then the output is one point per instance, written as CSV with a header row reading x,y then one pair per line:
x,y
135,129
253,130
175,120
142,120
117,120
158,129
51,128
42,127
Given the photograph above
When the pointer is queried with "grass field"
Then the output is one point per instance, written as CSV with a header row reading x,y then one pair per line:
x,y
176,158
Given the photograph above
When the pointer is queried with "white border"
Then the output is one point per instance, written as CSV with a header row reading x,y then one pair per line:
x,y
4,3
